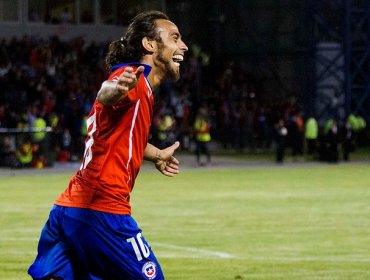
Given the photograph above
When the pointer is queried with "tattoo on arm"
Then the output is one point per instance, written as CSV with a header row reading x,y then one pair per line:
x,y
109,94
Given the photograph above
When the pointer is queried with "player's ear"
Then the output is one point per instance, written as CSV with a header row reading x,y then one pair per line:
x,y
149,44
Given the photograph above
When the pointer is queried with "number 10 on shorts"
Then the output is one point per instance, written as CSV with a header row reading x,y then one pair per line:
x,y
140,249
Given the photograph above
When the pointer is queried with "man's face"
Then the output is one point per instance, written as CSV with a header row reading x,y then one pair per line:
x,y
171,50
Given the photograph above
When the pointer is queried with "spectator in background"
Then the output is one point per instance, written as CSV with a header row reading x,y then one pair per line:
x,y
347,140
202,136
331,141
281,133
8,156
166,125
25,152
311,135
39,140
352,134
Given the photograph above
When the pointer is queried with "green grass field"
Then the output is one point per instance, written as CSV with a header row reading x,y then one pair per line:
x,y
305,222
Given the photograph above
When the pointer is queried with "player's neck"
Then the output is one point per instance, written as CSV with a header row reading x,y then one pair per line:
x,y
156,75
154,79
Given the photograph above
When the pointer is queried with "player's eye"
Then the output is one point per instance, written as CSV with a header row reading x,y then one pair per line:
x,y
175,37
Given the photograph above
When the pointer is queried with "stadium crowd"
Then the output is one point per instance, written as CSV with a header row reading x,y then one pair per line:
x,y
53,83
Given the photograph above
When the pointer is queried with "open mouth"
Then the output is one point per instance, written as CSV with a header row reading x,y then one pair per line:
x,y
177,59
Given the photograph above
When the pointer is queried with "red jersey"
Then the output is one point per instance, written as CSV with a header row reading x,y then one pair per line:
x,y
114,151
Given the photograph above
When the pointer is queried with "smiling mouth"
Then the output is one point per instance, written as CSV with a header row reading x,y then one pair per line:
x,y
177,59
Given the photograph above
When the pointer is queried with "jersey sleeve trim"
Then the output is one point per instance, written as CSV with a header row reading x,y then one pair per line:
x,y
147,68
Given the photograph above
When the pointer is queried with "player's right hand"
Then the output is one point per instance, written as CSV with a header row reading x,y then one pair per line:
x,y
128,79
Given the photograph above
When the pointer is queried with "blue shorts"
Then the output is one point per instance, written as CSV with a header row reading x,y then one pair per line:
x,y
84,244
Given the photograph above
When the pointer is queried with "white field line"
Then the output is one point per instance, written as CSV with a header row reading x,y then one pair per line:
x,y
19,239
23,230
221,255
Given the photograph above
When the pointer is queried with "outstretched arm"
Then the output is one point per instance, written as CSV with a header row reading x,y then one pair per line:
x,y
163,160
112,91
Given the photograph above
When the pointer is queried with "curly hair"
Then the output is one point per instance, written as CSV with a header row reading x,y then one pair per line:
x,y
129,47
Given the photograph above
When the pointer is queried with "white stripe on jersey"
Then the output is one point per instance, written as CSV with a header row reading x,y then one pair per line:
x,y
131,131
148,85
149,91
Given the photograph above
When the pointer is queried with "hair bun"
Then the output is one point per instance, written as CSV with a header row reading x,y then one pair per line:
x,y
122,42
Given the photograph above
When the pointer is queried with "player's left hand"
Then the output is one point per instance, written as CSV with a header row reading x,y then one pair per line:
x,y
166,163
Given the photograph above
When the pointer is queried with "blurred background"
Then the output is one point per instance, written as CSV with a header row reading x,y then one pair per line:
x,y
285,77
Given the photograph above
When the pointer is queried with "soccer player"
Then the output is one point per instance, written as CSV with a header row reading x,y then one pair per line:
x,y
90,233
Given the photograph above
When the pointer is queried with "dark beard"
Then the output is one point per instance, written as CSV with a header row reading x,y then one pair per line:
x,y
171,72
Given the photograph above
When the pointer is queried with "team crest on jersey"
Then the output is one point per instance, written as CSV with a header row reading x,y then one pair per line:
x,y
149,270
